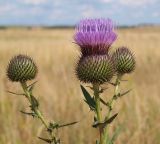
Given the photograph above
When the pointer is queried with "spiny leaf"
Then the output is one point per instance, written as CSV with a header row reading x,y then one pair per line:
x,y
16,93
103,102
111,118
31,86
112,83
68,124
27,113
103,124
88,98
125,93
46,140
35,102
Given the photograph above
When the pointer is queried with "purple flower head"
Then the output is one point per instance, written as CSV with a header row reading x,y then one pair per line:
x,y
95,36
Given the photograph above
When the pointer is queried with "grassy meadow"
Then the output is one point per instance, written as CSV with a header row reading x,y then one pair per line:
x,y
59,92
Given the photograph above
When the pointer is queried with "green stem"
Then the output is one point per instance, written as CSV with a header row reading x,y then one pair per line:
x,y
111,103
98,108
37,111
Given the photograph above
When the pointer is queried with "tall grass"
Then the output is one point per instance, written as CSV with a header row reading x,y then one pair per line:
x,y
59,92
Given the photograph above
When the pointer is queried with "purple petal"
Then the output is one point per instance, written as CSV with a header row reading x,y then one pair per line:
x,y
95,36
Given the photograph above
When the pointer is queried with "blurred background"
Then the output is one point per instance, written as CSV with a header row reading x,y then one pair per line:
x,y
44,30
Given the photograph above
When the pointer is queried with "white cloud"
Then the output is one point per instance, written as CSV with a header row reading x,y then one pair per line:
x,y
56,14
6,8
88,11
106,1
156,14
12,9
130,2
34,2
136,2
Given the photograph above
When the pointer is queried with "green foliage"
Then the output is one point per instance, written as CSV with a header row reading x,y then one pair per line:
x,y
106,122
45,140
55,125
88,98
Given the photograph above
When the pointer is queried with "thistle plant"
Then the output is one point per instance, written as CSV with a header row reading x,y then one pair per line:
x,y
22,68
97,66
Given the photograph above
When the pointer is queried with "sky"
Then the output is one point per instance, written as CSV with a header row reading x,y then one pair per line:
x,y
69,12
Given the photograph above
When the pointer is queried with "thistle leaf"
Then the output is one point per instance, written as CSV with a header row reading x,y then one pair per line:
x,y
27,113
31,86
35,102
111,118
16,93
88,98
46,140
68,124
103,102
125,93
103,124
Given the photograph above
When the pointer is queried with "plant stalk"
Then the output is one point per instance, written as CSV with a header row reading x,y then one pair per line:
x,y
37,111
111,103
98,109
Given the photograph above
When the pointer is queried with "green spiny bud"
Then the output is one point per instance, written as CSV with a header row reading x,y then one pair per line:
x,y
124,60
21,68
95,69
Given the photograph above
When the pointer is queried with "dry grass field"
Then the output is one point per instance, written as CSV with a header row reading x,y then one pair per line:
x,y
59,93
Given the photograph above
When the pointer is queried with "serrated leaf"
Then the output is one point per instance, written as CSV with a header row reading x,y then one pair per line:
x,y
68,124
103,102
16,93
111,118
31,86
103,124
46,140
34,101
88,98
125,93
27,113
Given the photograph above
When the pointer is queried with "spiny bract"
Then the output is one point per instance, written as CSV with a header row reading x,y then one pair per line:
x,y
124,60
95,69
21,68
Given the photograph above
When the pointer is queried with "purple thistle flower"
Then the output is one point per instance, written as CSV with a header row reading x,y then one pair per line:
x,y
95,36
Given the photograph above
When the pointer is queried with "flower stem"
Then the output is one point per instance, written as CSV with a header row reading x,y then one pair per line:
x,y
111,103
98,108
37,112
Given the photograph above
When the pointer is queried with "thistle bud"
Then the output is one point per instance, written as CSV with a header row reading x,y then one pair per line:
x,y
95,69
21,68
124,60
